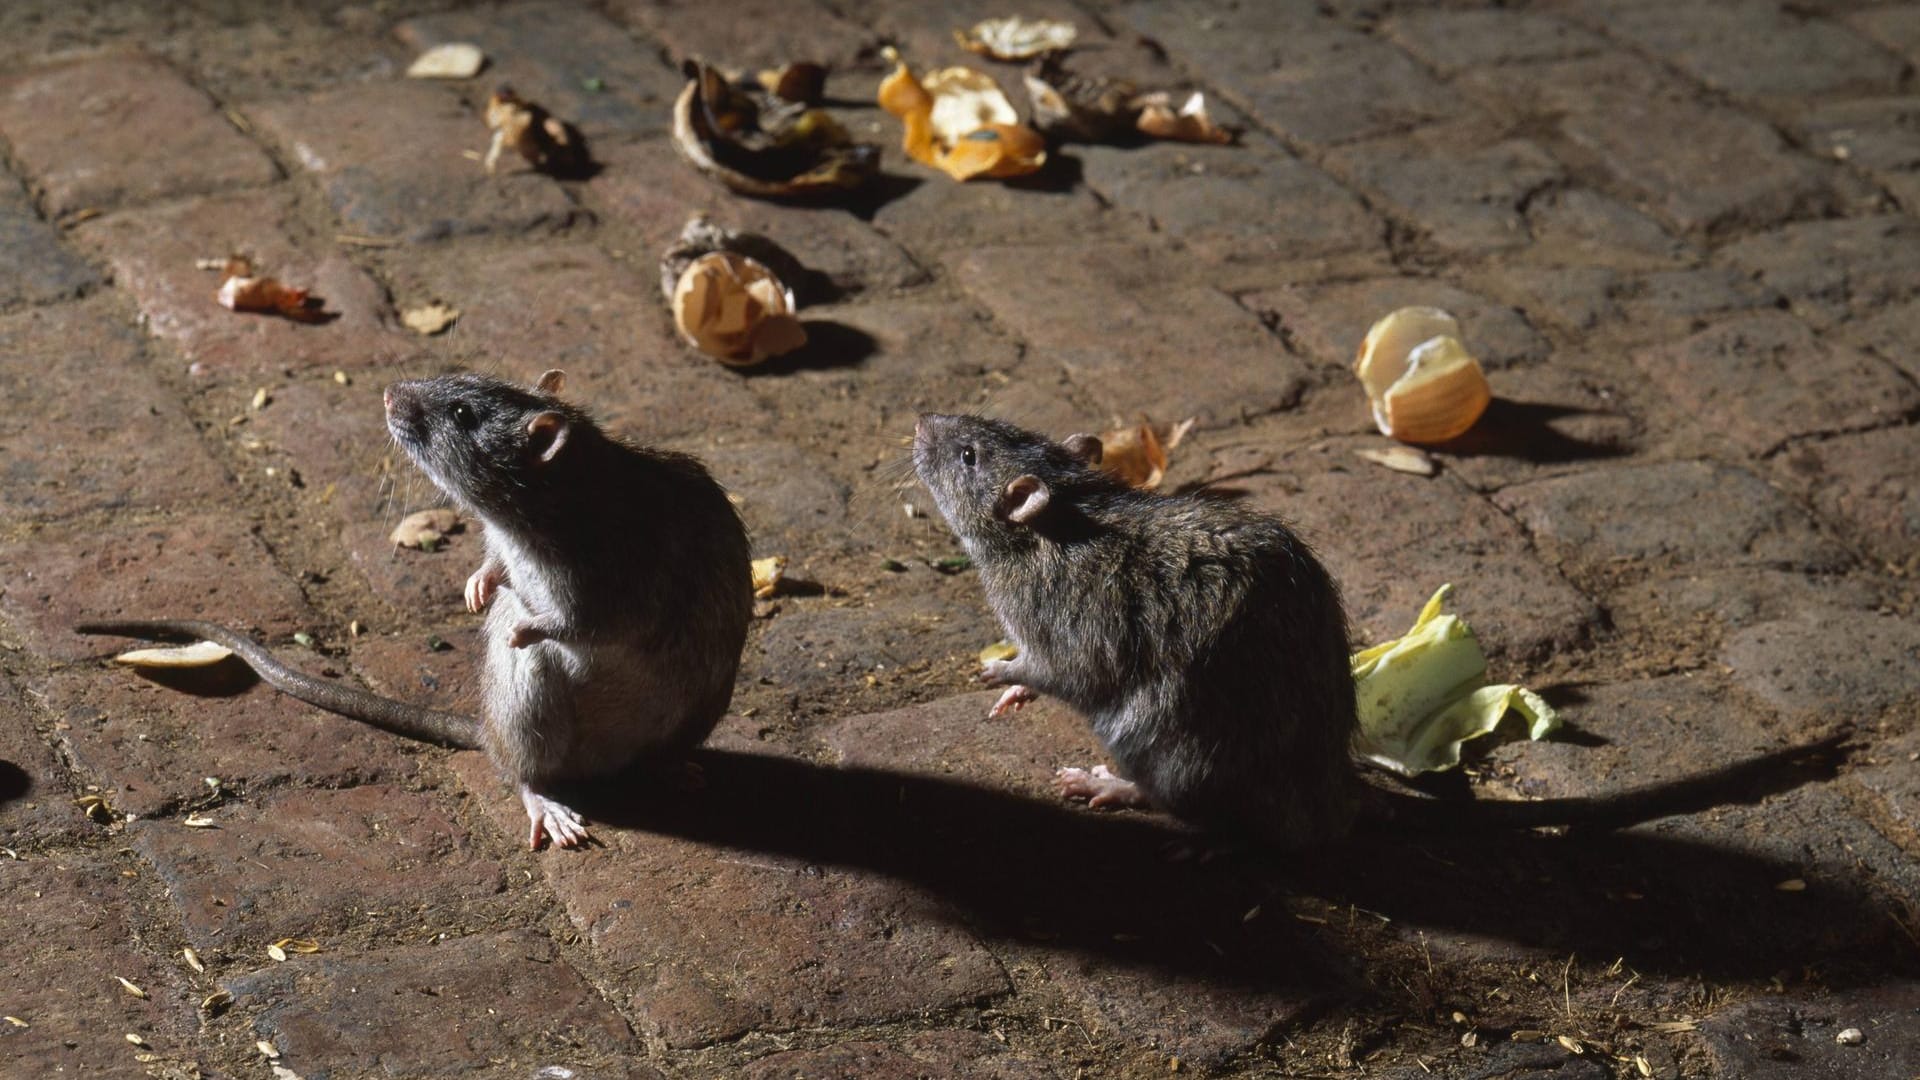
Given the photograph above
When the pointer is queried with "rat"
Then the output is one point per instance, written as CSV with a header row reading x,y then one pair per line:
x,y
1206,645
616,585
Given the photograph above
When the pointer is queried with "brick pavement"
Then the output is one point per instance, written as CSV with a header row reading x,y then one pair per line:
x,y
1682,238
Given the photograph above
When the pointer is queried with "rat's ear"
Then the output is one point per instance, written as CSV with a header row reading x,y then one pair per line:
x,y
1085,447
1024,499
547,432
551,382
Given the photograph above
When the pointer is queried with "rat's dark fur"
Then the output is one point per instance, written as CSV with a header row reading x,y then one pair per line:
x,y
1204,642
617,578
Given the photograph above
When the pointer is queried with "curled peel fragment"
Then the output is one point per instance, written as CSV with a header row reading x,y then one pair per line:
x,y
1423,384
958,121
1423,695
1015,38
758,144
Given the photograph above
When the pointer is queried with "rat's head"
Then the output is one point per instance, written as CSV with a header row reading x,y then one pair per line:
x,y
487,443
991,479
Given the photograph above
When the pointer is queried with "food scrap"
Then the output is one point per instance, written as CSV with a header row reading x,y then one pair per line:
x,y
429,319
1189,123
1405,459
453,60
802,81
758,144
958,121
767,573
1015,38
1137,453
999,650
199,654
1424,385
548,143
426,529
1089,109
1423,695
729,304
241,290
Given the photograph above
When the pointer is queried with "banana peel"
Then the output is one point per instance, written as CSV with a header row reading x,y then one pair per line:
x,y
1424,695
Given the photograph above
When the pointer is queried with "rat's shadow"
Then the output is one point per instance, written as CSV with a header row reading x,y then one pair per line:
x,y
1015,867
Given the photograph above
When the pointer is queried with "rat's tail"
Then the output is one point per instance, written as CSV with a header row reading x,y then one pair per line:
x,y
1745,781
412,721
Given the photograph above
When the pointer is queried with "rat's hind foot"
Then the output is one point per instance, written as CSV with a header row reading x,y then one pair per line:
x,y
1011,701
552,819
1100,788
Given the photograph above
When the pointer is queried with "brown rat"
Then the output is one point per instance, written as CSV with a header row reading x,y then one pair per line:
x,y
1204,643
617,578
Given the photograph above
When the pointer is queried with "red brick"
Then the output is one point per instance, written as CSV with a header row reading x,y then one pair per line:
x,y
1128,338
151,745
391,158
1832,270
1580,226
940,1055
152,253
706,940
954,737
1890,334
1391,539
1828,663
1645,731
35,266
1703,167
202,567
1685,513
1766,379
1753,50
88,427
1327,323
319,865
1462,187
1869,484
1299,70
122,129
1451,42
548,53
650,193
1896,26
468,1004
1880,136
930,212
405,664
36,807
353,476
1779,1038
1544,421
1255,193
750,35
72,926
571,306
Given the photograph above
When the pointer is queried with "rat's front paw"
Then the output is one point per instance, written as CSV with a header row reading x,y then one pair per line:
x,y
999,673
526,634
481,586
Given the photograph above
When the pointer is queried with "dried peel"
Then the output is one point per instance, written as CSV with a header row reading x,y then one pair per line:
x,y
1015,38
548,143
1188,123
199,654
755,145
1423,384
958,121
1138,454
735,310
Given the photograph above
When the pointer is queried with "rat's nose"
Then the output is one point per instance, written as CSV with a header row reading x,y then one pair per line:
x,y
386,399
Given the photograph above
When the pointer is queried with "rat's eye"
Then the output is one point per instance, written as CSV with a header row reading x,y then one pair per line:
x,y
967,456
463,415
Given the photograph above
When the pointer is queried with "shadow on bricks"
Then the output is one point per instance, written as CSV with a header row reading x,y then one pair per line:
x,y
1102,886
